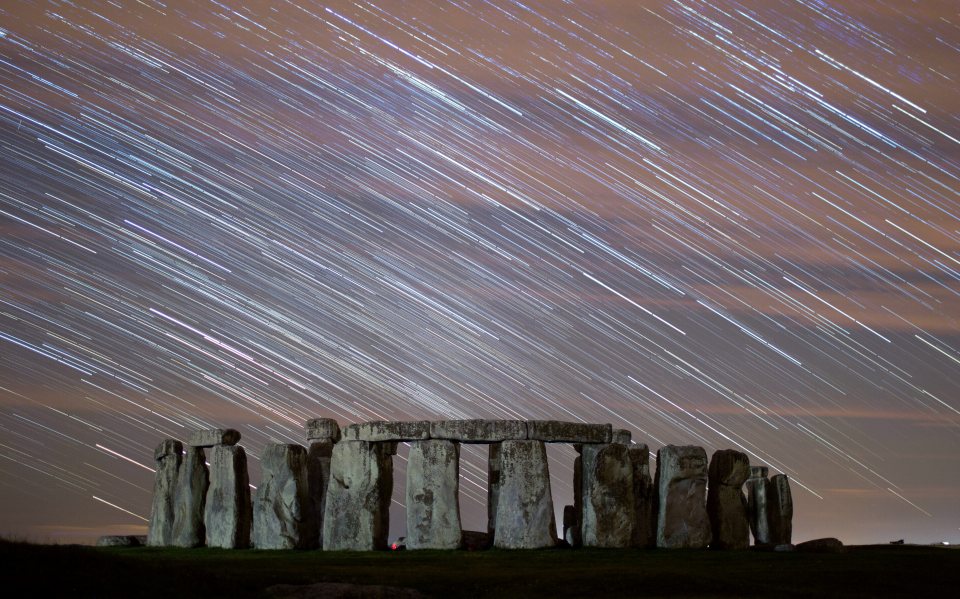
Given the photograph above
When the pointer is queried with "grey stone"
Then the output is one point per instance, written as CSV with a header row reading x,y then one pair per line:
x,y
191,497
119,541
227,514
826,545
356,516
644,498
780,503
525,517
478,431
168,455
758,509
281,514
607,496
576,536
433,490
726,504
493,487
622,436
784,548
556,431
318,477
214,436
569,522
380,430
322,429
681,482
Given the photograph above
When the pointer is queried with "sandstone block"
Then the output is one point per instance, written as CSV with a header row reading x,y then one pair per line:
x,y
758,509
576,536
318,477
681,482
119,541
214,436
622,436
167,447
227,514
322,429
607,496
781,510
433,492
356,515
387,431
726,504
190,499
478,431
169,455
644,498
281,511
525,506
826,545
493,487
556,431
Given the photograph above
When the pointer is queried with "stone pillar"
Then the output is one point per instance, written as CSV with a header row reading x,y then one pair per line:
x,y
758,510
281,512
607,497
168,456
525,506
681,482
726,504
644,499
569,522
576,528
781,510
191,497
356,515
493,487
318,478
228,513
433,490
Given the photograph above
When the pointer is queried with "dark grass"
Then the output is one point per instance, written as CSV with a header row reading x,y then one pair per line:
x,y
875,571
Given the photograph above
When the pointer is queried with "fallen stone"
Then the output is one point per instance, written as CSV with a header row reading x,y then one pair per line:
x,y
214,436
780,503
168,455
190,499
556,431
433,493
356,515
119,541
478,431
681,482
644,498
341,590
607,496
758,510
387,431
227,514
322,429
525,506
493,487
726,504
826,545
318,477
281,511
622,436
784,548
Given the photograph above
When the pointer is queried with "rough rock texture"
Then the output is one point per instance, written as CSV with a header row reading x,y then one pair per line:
x,y
168,456
281,513
356,516
433,492
607,496
726,504
681,482
556,431
318,476
478,431
569,521
758,509
341,590
228,512
493,487
827,545
621,435
119,541
644,498
387,431
322,429
190,499
525,507
576,529
214,436
780,504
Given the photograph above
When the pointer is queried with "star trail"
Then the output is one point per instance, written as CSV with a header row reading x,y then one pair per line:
x,y
732,224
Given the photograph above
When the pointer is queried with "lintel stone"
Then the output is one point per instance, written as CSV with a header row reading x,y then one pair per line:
x,y
214,436
379,430
479,430
322,429
556,431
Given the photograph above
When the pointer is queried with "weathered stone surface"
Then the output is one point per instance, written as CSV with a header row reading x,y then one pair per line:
x,y
356,515
341,590
214,436
622,436
322,429
525,506
726,504
478,431
644,498
433,490
168,455
227,514
576,536
681,482
607,496
569,521
190,499
827,545
758,510
281,512
318,477
493,487
380,430
119,541
780,503
556,431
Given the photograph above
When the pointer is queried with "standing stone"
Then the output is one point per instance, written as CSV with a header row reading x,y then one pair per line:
x,y
433,492
569,521
228,513
681,482
726,503
281,512
525,507
356,516
758,509
607,496
493,487
214,436
576,529
322,429
781,510
191,497
318,477
644,498
168,456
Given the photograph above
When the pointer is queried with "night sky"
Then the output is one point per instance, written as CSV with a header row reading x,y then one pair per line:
x,y
734,225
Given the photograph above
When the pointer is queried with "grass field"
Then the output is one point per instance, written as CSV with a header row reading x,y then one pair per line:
x,y
870,571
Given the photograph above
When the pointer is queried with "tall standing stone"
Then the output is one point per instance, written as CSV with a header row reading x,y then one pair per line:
x,y
318,478
228,513
607,496
681,482
168,456
191,497
357,512
644,498
525,517
576,527
433,492
726,503
758,508
781,510
493,487
281,512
